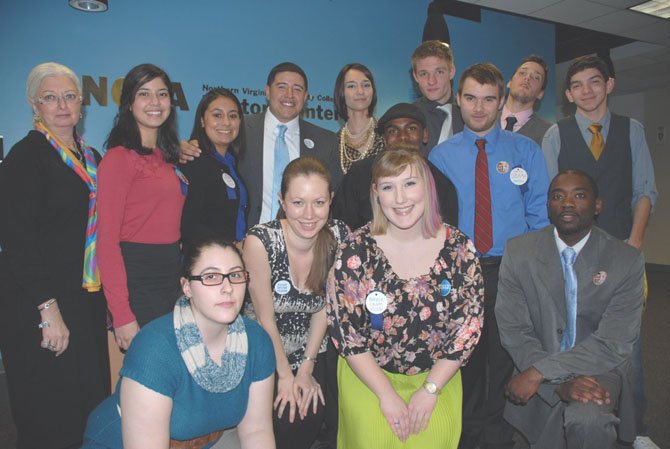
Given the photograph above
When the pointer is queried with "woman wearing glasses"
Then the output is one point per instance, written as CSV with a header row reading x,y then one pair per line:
x,y
196,371
141,198
52,311
288,261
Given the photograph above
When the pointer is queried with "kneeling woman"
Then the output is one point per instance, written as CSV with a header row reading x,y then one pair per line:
x,y
192,373
405,308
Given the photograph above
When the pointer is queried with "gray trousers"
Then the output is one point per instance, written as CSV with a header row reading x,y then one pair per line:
x,y
574,425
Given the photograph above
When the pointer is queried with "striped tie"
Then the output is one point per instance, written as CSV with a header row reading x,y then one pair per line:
x,y
483,221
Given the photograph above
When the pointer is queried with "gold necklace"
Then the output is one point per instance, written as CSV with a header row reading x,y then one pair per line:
x,y
358,150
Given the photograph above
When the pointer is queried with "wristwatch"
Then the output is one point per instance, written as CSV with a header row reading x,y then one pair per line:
x,y
431,388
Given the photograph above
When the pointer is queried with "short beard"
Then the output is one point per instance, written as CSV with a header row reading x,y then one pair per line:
x,y
523,99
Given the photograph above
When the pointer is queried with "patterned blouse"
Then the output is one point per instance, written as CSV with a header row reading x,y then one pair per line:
x,y
349,156
434,316
293,307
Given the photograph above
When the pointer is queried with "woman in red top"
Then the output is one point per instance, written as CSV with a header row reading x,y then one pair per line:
x,y
140,199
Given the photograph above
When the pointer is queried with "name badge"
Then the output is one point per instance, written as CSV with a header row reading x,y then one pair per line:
x,y
282,287
376,302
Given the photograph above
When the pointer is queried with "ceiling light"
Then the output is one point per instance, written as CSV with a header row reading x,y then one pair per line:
x,y
89,5
658,8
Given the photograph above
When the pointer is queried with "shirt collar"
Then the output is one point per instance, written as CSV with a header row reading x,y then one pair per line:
x,y
561,245
491,138
271,123
521,117
583,121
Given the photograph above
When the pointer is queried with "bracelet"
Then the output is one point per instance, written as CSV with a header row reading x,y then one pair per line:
x,y
44,324
306,358
46,305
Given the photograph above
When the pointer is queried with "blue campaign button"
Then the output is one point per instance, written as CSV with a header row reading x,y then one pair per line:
x,y
445,287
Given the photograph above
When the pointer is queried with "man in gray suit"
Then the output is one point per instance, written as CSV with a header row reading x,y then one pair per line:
x,y
526,87
286,91
568,309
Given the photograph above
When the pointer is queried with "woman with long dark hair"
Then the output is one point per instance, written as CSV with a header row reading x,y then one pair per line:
x,y
217,198
141,196
355,98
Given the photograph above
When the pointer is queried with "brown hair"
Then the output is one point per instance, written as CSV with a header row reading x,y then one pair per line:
x,y
325,244
434,48
484,73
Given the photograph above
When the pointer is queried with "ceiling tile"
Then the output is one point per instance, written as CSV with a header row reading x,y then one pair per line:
x,y
518,6
619,4
573,12
658,33
619,21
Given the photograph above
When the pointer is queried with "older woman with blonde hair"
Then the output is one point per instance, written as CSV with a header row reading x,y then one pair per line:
x,y
404,304
52,312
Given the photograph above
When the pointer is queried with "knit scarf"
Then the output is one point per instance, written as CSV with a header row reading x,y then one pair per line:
x,y
206,373
89,174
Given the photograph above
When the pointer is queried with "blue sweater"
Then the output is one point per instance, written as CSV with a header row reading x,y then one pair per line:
x,y
154,361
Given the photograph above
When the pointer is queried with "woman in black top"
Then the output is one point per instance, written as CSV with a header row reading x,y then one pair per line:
x,y
52,311
216,204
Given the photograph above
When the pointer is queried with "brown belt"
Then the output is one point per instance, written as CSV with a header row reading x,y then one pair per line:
x,y
196,443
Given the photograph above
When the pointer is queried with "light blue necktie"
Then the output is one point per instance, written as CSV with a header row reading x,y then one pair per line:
x,y
281,161
568,258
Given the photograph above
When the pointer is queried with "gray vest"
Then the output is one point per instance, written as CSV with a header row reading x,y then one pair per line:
x,y
613,172
535,128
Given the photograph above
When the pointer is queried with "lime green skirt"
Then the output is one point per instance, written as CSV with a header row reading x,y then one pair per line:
x,y
363,426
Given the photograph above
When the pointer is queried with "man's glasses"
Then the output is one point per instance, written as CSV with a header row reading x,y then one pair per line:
x,y
211,279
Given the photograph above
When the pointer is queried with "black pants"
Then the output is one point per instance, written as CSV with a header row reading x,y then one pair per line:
x,y
302,433
485,376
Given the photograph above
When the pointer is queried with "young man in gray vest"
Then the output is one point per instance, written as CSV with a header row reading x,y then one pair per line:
x,y
613,150
609,147
525,88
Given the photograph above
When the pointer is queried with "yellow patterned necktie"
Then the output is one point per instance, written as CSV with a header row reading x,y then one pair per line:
x,y
597,142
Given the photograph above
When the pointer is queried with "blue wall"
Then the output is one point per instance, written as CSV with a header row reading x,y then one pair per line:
x,y
235,43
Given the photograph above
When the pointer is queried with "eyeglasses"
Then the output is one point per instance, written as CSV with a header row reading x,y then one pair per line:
x,y
210,279
53,99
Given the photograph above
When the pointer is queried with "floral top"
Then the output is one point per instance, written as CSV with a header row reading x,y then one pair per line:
x,y
434,316
293,307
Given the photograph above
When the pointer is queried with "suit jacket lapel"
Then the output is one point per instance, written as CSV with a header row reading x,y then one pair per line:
x,y
302,137
550,270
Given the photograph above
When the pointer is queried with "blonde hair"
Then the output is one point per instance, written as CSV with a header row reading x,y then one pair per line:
x,y
393,163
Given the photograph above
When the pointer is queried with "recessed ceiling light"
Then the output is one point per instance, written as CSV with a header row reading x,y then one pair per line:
x,y
89,5
658,8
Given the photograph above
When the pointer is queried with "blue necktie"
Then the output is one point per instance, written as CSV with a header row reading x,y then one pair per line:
x,y
568,258
281,161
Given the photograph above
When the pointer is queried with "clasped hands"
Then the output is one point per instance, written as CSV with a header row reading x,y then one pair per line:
x,y
298,392
408,418
584,389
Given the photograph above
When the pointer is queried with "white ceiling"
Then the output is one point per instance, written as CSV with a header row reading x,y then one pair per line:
x,y
640,66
